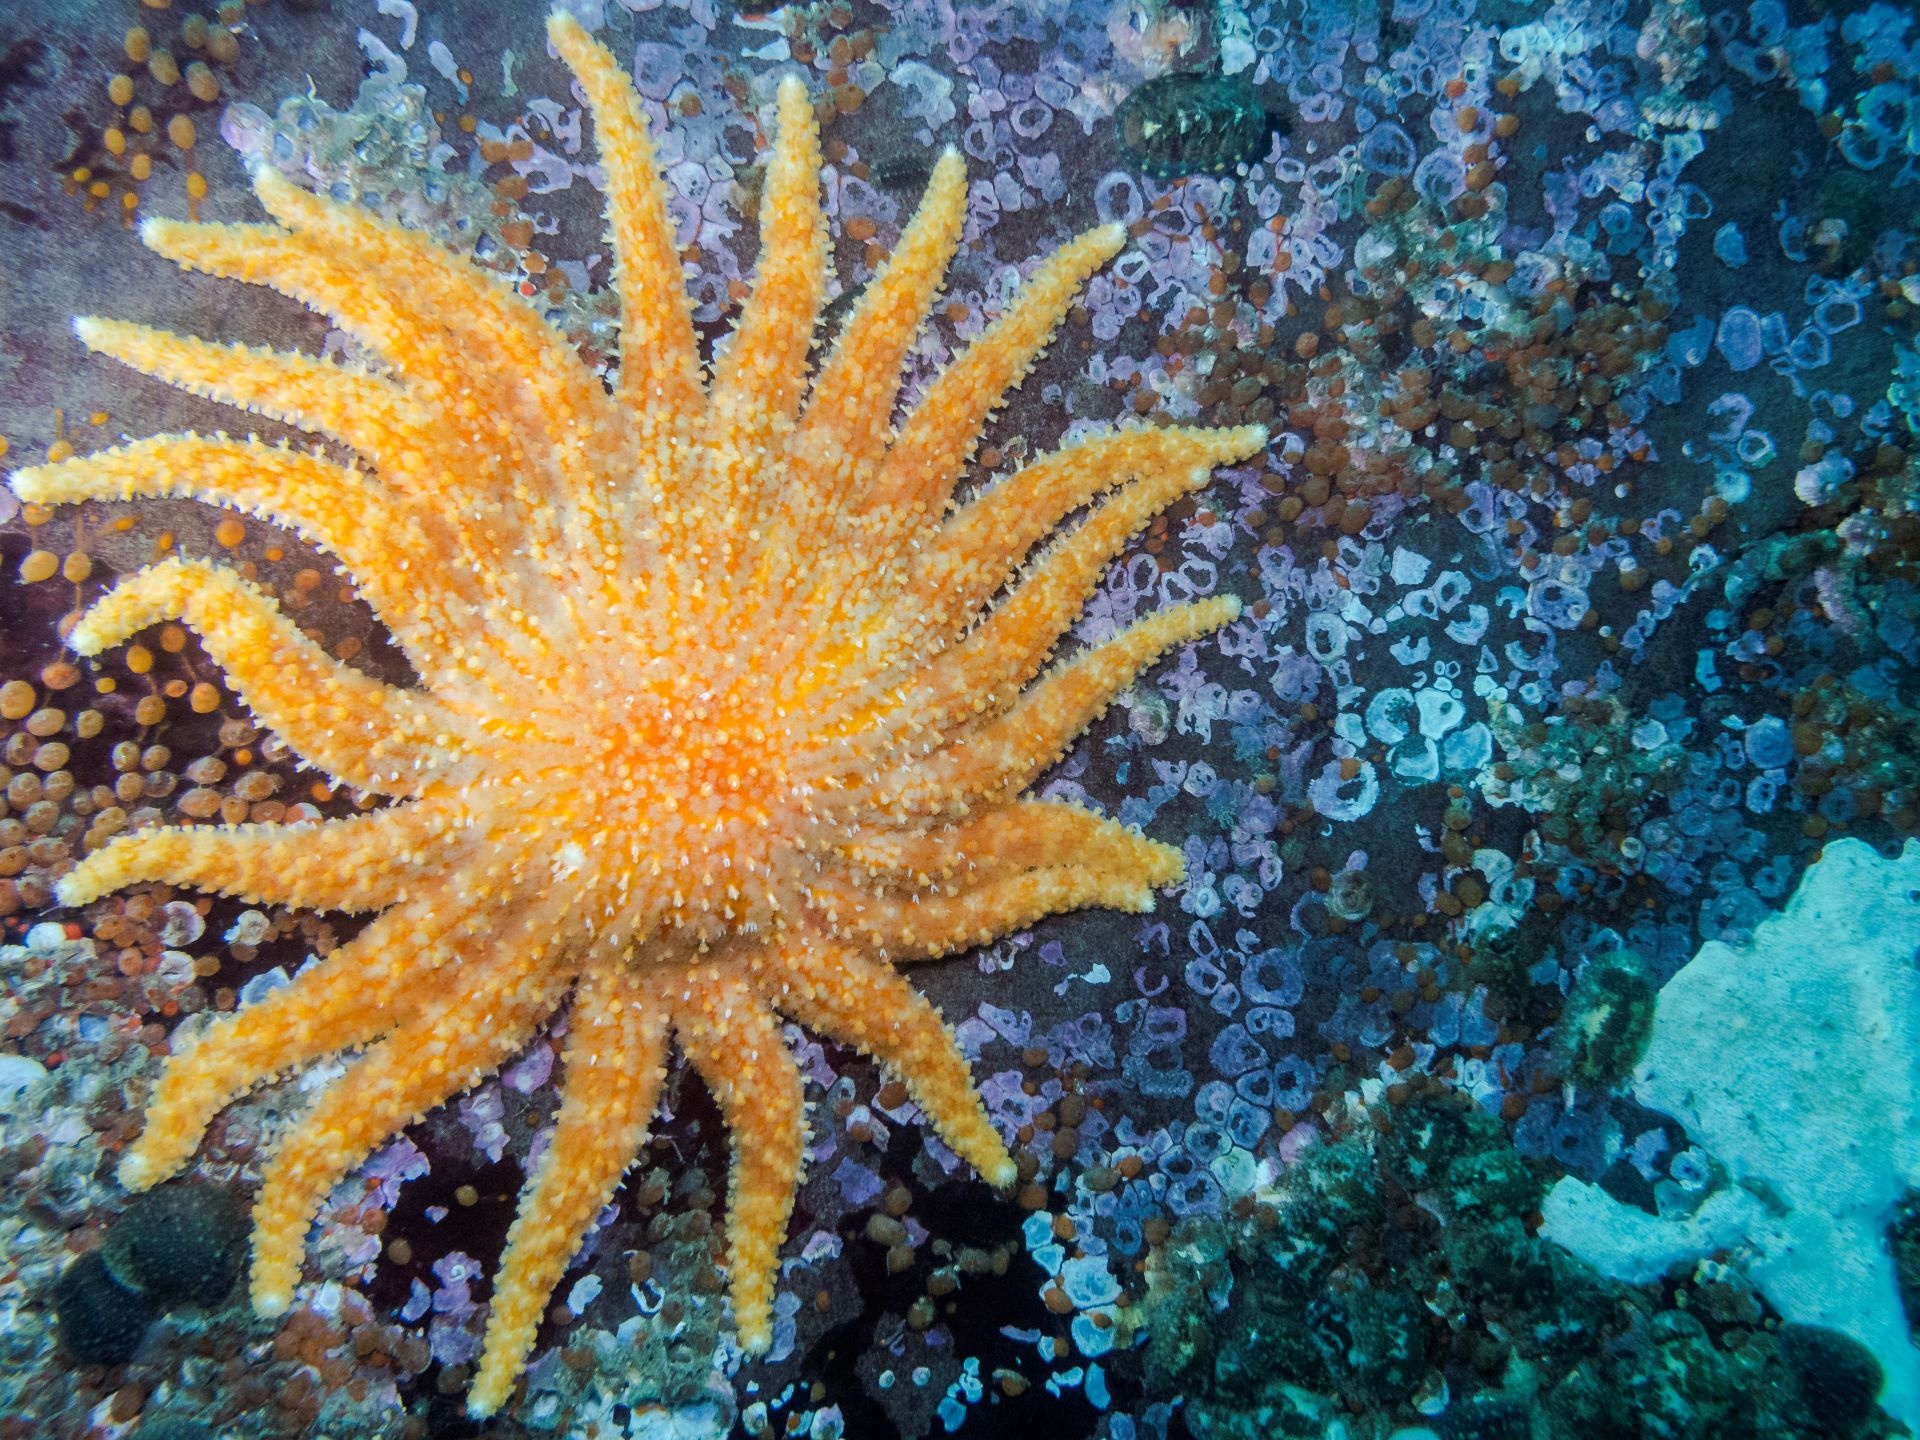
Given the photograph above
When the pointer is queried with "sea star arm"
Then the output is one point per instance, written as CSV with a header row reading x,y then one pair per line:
x,y
865,1003
927,457
926,927
761,375
361,731
347,999
1001,756
324,503
843,433
659,363
476,468
973,555
734,1042
452,1041
363,862
1026,834
983,674
384,320
569,404
433,317
615,1059
355,406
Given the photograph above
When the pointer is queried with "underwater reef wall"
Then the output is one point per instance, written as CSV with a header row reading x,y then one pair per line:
x,y
1577,598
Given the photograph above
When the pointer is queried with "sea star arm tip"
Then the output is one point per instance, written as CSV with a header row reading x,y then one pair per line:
x,y
136,1173
363,863
1239,442
566,32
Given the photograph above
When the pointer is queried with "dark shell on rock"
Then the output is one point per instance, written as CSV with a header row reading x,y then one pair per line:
x,y
180,1243
1195,125
101,1321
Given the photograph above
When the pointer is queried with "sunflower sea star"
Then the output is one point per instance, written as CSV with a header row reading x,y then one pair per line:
x,y
716,721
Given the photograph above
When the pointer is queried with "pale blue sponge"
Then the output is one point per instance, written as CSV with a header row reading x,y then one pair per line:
x,y
1794,1061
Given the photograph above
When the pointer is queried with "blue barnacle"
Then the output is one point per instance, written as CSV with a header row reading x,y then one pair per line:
x,y
1730,245
1195,124
1294,1082
1234,1052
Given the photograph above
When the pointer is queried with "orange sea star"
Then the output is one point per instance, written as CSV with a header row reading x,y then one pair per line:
x,y
716,720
